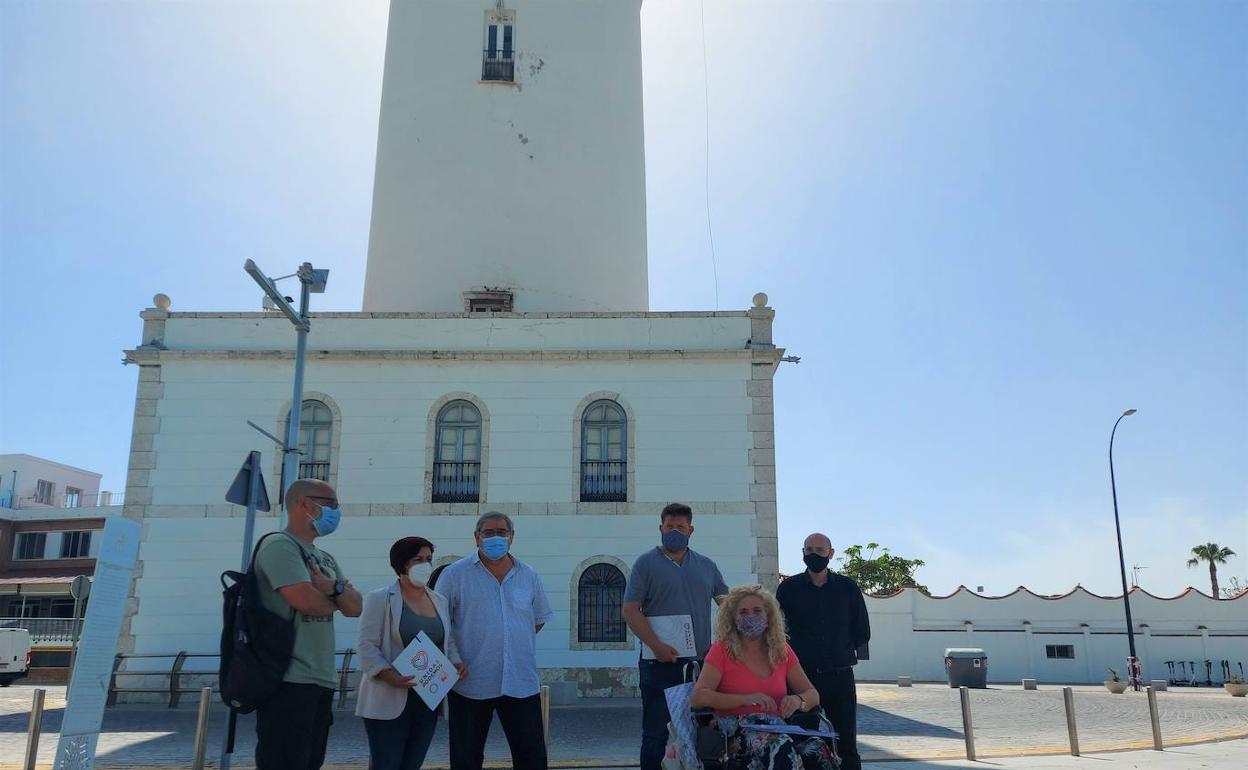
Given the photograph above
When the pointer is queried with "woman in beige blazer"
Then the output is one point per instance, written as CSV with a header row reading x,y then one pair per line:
x,y
398,723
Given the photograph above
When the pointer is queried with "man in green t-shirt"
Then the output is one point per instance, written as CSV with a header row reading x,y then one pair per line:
x,y
297,580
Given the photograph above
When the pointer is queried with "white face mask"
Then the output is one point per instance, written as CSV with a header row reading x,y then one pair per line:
x,y
419,573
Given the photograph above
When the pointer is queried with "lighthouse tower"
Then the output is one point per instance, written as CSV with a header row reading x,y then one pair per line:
x,y
510,159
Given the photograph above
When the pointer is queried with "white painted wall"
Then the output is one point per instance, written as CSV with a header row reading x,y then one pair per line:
x,y
30,469
686,380
179,596
690,430
910,632
537,187
725,330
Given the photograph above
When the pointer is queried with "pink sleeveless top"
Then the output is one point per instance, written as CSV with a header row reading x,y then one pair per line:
x,y
738,679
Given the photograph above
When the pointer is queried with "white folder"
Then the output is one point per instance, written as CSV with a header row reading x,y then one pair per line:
x,y
676,630
435,674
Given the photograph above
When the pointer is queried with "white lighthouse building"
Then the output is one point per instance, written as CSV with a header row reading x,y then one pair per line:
x,y
505,357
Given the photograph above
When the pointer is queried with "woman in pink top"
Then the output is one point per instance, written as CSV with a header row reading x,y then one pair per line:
x,y
752,676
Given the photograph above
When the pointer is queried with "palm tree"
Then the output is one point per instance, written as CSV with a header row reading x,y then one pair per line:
x,y
1215,555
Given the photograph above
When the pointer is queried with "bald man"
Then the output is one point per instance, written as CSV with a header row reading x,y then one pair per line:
x,y
827,622
301,582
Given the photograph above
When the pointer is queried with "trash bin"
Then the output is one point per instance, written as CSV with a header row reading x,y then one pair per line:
x,y
966,667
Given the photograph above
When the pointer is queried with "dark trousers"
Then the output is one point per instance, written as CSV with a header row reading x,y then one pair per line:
x,y
522,724
292,727
401,743
839,699
653,678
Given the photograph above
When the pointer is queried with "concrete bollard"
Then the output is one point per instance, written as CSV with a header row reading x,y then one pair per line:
x,y
34,729
905,681
1029,684
1160,685
1155,718
1068,697
968,730
545,698
201,729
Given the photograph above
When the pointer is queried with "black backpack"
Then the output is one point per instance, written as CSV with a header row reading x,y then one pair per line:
x,y
256,643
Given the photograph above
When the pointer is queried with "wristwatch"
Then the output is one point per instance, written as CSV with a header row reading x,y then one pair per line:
x,y
340,586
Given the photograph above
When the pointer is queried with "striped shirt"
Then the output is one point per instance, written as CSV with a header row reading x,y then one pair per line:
x,y
494,626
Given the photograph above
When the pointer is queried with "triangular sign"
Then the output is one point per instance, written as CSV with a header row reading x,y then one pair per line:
x,y
237,492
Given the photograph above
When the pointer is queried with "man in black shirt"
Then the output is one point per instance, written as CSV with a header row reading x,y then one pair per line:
x,y
827,622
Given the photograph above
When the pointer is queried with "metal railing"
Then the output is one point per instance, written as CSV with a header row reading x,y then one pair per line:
x,y
43,629
604,481
456,482
178,680
314,470
71,500
498,65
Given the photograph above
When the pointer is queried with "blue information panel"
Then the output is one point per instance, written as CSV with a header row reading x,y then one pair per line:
x,y
88,689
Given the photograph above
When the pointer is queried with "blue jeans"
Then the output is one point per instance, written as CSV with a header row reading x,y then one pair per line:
x,y
653,678
401,743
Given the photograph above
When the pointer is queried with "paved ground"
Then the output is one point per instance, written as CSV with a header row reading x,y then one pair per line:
x,y
1231,755
920,723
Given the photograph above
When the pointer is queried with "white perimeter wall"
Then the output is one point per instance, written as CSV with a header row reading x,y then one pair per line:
x,y
910,632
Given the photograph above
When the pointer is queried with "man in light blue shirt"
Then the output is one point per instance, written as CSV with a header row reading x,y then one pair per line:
x,y
497,607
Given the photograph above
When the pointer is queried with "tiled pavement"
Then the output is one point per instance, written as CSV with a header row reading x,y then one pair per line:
x,y
923,722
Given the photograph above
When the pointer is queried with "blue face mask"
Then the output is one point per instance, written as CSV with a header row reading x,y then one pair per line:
x,y
328,521
675,540
494,547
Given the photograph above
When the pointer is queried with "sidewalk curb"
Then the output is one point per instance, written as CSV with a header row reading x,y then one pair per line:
x,y
586,764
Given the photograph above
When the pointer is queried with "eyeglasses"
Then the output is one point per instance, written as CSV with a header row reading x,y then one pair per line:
x,y
332,501
494,532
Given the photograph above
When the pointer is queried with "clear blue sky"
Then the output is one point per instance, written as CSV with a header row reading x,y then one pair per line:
x,y
986,227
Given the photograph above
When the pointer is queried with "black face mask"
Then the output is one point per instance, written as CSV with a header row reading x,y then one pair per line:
x,y
815,562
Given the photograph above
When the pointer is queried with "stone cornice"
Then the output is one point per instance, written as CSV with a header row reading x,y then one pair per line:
x,y
153,356
153,313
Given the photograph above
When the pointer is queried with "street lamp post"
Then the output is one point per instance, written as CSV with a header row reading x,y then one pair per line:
x,y
312,281
1133,662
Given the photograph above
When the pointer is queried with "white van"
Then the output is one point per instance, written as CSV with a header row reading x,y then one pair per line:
x,y
14,655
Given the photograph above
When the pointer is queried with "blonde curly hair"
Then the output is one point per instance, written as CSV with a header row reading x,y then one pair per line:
x,y
773,638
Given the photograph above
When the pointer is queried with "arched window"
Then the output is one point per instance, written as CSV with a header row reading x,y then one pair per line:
x,y
457,454
600,600
316,439
604,461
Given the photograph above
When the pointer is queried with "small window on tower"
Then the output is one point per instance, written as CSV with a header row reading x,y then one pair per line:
x,y
498,61
489,301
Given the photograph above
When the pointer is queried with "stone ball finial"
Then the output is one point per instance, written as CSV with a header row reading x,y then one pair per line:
x,y
760,300
162,301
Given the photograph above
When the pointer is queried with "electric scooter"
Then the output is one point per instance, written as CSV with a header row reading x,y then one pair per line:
x,y
1208,673
1195,682
1171,681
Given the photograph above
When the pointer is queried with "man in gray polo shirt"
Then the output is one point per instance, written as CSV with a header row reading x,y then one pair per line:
x,y
670,579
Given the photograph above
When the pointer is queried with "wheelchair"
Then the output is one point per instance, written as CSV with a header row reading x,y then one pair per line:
x,y
711,745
